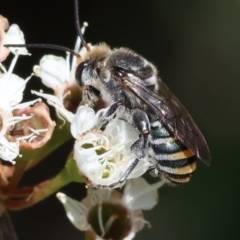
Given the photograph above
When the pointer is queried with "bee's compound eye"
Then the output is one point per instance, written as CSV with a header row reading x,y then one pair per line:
x,y
79,72
118,72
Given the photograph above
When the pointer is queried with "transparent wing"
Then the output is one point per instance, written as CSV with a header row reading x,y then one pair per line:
x,y
173,114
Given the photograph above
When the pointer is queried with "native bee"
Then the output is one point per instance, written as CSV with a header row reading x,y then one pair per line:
x,y
124,79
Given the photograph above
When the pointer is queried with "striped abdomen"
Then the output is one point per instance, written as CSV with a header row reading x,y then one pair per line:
x,y
175,162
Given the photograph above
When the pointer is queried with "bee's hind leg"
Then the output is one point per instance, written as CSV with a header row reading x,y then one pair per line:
x,y
141,122
123,177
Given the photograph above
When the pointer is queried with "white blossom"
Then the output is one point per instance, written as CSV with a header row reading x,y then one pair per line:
x,y
13,36
11,93
58,74
104,156
137,195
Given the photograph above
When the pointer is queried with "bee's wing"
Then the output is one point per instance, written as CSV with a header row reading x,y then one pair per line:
x,y
173,114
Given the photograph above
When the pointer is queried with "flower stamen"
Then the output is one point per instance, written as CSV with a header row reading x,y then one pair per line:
x,y
3,68
12,65
100,219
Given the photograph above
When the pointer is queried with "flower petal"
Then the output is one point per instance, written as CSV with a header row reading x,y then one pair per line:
x,y
84,120
57,104
51,70
16,36
121,132
138,194
76,212
11,90
8,150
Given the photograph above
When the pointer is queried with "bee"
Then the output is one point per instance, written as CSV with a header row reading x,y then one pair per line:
x,y
125,80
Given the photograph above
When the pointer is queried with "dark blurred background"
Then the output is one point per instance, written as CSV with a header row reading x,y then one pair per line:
x,y
196,47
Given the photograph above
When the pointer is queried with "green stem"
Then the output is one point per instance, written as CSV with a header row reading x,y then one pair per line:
x,y
17,175
47,188
32,157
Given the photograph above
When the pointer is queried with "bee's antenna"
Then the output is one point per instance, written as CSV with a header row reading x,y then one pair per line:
x,y
41,45
53,46
78,27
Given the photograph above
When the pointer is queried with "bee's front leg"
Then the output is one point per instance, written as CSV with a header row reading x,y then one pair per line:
x,y
90,95
141,122
108,115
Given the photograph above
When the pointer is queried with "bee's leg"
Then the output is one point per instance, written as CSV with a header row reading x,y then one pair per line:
x,y
126,174
123,177
90,95
141,122
109,114
140,147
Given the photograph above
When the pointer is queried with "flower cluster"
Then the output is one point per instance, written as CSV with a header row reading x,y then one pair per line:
x,y
20,124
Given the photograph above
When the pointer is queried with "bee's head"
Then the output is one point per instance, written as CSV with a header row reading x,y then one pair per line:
x,y
90,69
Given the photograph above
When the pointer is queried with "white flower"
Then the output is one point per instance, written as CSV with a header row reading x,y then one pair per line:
x,y
104,156
11,93
13,36
36,131
58,74
90,214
